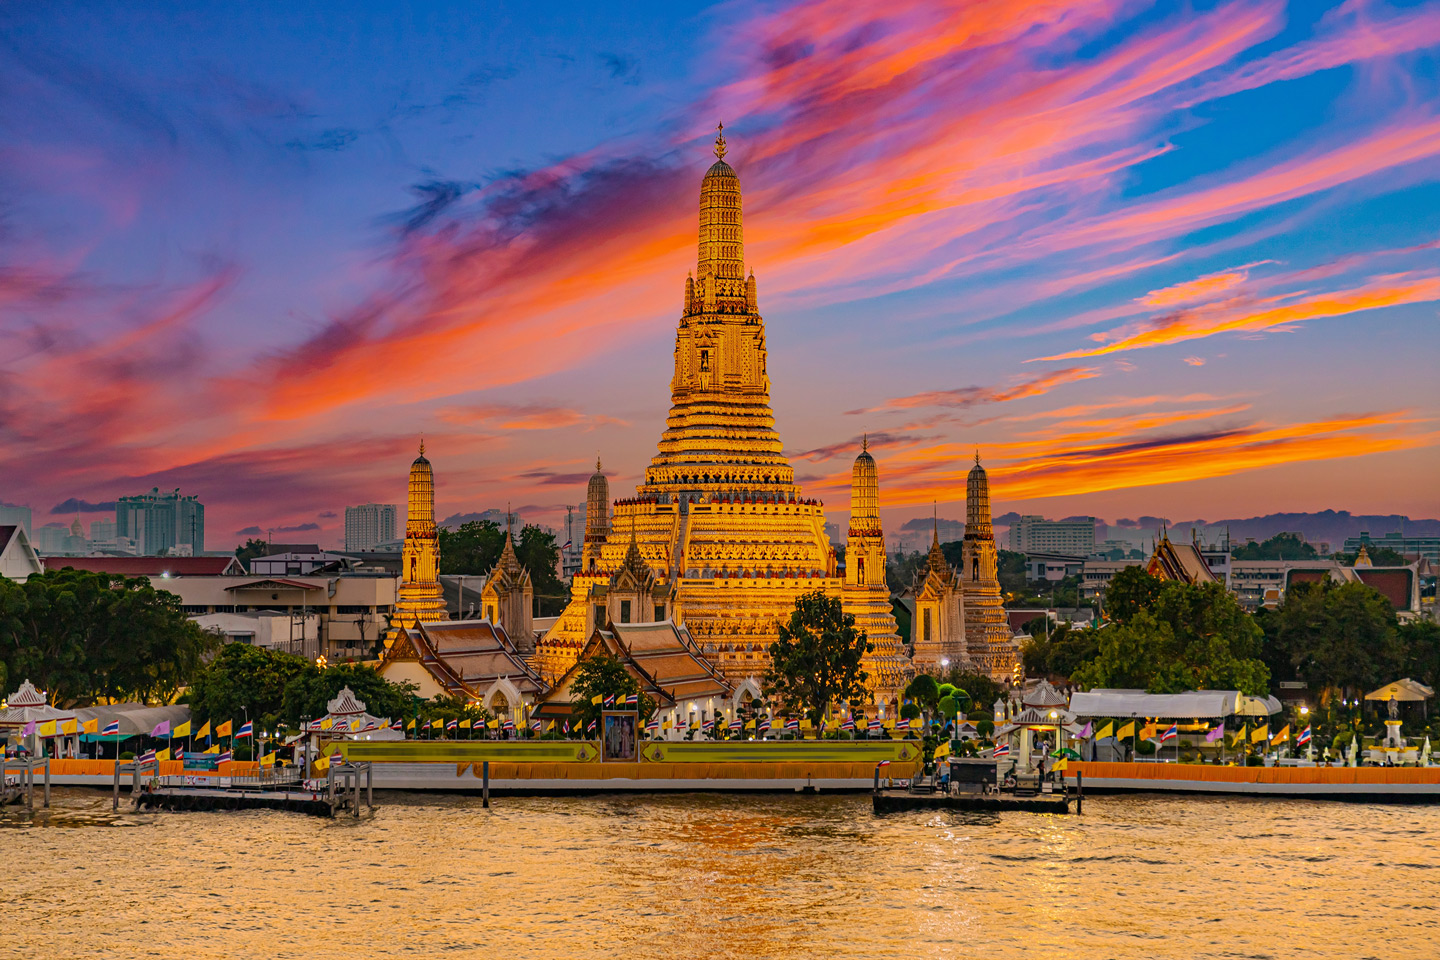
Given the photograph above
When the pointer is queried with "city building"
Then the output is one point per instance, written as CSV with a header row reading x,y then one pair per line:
x,y
101,530
1051,567
59,539
154,567
12,515
18,559
162,523
718,521
1095,576
1427,547
1068,538
369,525
342,617
298,562
420,599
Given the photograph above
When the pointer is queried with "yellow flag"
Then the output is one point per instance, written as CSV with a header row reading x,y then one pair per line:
x,y
1260,734
183,730
410,725
665,725
322,764
750,724
494,724
214,749
1106,731
1126,731
1148,731
942,751
46,729
916,723
1283,736
1062,764
437,724
268,760
91,726
354,724
889,724
223,730
465,724
203,731
597,699
326,724
69,726
162,754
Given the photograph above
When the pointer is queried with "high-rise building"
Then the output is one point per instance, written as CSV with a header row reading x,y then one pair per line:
x,y
1070,538
162,523
12,515
369,524
103,530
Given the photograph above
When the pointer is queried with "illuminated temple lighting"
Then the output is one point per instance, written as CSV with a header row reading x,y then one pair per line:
x,y
420,598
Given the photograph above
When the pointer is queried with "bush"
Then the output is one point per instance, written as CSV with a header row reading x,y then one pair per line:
x,y
909,711
985,727
1145,748
128,755
1254,761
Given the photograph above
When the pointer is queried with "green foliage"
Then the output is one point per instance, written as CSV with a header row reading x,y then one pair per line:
x,y
1061,653
84,636
909,711
1420,643
1130,591
924,691
306,694
985,726
816,660
978,688
1012,572
1379,557
1282,546
472,549
602,676
245,681
539,554
1191,637
1337,635
1145,748
251,549
902,568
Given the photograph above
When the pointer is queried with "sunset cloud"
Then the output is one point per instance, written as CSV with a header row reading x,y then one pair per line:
x,y
964,397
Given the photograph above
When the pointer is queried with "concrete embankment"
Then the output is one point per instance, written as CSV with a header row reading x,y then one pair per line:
x,y
1367,784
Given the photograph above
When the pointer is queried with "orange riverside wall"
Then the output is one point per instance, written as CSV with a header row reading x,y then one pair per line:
x,y
168,768
611,770
1206,773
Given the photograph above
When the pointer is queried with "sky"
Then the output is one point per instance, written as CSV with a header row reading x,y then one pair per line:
x,y
1148,259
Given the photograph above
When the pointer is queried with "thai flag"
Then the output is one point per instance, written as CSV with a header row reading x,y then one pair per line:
x,y
1003,750
849,724
590,727
508,725
708,725
452,724
883,763
1170,734
397,725
764,725
147,757
653,725
792,725
632,699
737,724
568,544
875,724
337,757
535,725
225,757
1304,737
112,729
609,701
248,730
369,725
567,726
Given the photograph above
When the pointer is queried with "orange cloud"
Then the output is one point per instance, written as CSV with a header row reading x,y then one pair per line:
x,y
1201,288
525,417
973,396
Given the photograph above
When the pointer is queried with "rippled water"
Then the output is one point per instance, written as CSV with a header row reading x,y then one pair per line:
x,y
703,876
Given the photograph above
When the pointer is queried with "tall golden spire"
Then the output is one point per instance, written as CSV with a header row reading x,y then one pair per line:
x,y
720,141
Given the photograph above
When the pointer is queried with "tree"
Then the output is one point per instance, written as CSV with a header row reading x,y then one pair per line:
x,y
816,661
1061,653
1420,641
307,694
471,550
251,549
924,692
245,682
603,676
83,637
1282,546
978,688
1129,591
538,553
1337,635
1134,654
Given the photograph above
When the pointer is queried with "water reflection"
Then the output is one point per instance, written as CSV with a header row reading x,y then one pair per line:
x,y
706,876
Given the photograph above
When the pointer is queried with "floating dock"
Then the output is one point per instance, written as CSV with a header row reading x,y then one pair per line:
x,y
203,798
898,801
1357,784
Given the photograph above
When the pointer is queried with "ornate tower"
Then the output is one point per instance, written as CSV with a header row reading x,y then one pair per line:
x,y
866,594
597,519
938,630
987,628
508,596
420,597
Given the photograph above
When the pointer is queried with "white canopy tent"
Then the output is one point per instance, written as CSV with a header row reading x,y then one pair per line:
x,y
1196,704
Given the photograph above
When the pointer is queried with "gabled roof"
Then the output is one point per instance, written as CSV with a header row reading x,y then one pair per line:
x,y
151,566
270,583
466,656
1179,561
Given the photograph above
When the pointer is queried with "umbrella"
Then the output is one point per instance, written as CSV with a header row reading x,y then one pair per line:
x,y
1067,753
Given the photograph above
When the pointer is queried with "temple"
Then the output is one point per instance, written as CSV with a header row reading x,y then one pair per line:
x,y
420,599
938,627
508,597
1178,561
718,536
987,628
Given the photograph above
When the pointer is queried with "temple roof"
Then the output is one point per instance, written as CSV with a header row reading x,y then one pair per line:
x,y
466,656
1183,562
663,658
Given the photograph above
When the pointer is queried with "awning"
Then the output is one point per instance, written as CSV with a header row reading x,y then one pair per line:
x,y
1139,704
1407,689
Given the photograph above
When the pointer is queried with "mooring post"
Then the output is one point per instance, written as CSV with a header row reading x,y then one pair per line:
x,y
1079,791
485,784
370,785
30,784
357,794
115,807
47,782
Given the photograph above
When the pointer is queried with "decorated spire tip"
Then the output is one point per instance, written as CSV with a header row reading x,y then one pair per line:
x,y
720,141
865,442
977,456
422,446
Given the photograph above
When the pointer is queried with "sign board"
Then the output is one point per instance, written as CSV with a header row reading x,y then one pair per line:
x,y
619,730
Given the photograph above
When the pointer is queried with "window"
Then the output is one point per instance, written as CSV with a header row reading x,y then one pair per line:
x,y
490,613
599,616
193,610
659,612
624,611
351,608
927,624
704,361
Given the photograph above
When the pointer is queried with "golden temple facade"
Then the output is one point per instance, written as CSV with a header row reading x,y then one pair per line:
x,y
987,627
420,598
728,538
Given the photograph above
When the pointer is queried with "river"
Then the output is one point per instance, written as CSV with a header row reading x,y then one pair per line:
x,y
702,876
